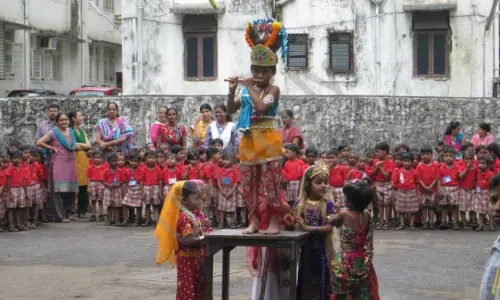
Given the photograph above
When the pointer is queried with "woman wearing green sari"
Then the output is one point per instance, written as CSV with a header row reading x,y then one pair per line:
x,y
82,162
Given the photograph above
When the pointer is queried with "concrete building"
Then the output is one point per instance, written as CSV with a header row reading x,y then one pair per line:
x,y
59,44
437,48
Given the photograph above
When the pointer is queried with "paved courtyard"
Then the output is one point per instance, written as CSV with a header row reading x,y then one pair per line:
x,y
85,260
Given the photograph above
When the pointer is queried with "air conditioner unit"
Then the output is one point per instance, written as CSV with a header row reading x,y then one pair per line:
x,y
51,44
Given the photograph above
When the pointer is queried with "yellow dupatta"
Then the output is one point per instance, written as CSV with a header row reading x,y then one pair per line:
x,y
166,229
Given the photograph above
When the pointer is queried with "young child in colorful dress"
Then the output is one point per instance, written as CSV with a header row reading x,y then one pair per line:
x,y
405,182
338,175
449,188
150,186
133,197
292,173
180,233
228,179
482,194
16,191
353,273
95,173
312,212
428,175
467,184
112,191
381,175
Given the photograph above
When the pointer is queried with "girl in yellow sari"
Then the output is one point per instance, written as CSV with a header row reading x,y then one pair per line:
x,y
180,233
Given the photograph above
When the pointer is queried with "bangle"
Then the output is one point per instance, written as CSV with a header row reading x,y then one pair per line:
x,y
316,228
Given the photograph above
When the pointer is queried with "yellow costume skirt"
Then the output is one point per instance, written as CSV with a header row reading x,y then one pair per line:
x,y
262,145
82,164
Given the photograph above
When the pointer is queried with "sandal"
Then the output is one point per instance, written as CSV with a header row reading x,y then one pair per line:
x,y
425,226
92,218
220,226
432,226
31,226
146,224
13,229
233,226
107,223
456,226
125,223
101,218
412,227
386,226
401,227
379,226
479,228
492,228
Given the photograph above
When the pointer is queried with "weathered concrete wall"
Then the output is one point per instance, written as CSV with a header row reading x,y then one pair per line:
x,y
325,121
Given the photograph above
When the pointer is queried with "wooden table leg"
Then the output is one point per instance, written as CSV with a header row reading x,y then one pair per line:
x,y
209,276
225,272
293,270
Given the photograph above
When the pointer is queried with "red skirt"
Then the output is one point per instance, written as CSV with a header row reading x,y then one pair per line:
x,y
190,278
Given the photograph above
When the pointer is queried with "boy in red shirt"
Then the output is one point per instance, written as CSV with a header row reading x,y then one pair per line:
x,y
338,176
292,173
482,194
95,173
361,171
381,175
428,175
191,169
112,192
467,184
150,185
405,182
228,179
207,174
449,182
16,190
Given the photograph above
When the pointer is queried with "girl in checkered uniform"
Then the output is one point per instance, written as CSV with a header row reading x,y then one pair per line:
x,y
95,173
207,172
3,181
133,197
428,175
449,188
150,186
34,189
169,175
467,184
16,191
112,199
482,193
338,175
381,175
31,185
292,173
405,182
228,179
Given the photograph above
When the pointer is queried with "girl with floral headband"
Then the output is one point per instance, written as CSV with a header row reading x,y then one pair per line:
x,y
261,148
180,233
312,212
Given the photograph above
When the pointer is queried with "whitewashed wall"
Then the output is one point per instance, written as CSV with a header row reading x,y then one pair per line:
x,y
163,49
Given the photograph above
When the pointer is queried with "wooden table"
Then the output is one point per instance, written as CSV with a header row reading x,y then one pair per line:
x,y
227,239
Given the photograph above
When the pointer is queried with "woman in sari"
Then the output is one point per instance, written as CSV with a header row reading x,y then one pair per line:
x,y
223,129
114,133
453,137
201,123
167,130
82,162
290,133
61,141
483,135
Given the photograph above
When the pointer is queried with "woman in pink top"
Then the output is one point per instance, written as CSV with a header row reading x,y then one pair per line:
x,y
483,135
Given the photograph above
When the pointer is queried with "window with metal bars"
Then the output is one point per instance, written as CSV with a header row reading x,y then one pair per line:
x,y
109,5
341,52
298,51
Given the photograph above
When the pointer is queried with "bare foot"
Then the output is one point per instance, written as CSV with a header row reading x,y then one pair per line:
x,y
252,229
272,230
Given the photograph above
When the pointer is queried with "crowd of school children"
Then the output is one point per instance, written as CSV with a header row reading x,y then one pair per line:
x,y
413,187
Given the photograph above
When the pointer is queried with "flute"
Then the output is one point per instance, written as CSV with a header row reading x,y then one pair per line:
x,y
241,80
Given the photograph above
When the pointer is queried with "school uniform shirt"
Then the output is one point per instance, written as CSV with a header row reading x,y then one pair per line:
x,y
96,173
469,181
112,176
209,170
388,166
41,171
356,173
483,180
17,176
122,178
168,176
229,176
448,176
395,178
131,176
338,176
461,164
151,177
3,177
405,179
293,170
428,173
193,173
35,173
496,168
